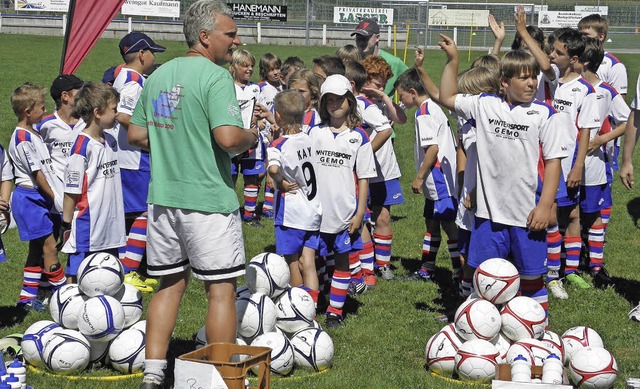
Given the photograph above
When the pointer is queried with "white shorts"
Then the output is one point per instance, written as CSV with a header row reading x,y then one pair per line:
x,y
210,243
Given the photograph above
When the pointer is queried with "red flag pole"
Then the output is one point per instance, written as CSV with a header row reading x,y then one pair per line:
x,y
67,33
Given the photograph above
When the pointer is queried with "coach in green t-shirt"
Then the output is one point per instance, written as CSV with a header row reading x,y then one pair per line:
x,y
189,119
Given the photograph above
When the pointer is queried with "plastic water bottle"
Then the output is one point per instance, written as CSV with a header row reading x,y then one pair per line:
x,y
3,369
13,382
4,385
17,368
552,369
520,369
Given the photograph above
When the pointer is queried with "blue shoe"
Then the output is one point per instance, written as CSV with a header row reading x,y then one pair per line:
x,y
268,214
33,305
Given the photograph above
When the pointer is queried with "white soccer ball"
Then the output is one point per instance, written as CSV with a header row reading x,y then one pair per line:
x,y
578,337
554,343
99,354
502,343
281,352
141,325
126,352
66,351
441,350
476,361
295,310
256,315
131,300
593,367
496,280
312,349
100,273
101,318
34,339
534,350
65,304
477,319
267,273
523,317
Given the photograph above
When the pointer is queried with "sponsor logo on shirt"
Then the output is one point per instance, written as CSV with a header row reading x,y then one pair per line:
x,y
73,179
503,129
533,112
332,158
559,104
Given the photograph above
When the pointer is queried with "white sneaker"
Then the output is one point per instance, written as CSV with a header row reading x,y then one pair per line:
x,y
557,289
634,314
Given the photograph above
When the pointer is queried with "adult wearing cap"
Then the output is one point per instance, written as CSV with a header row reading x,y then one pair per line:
x,y
367,40
189,119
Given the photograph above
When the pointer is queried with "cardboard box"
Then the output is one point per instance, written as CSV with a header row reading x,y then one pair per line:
x,y
503,379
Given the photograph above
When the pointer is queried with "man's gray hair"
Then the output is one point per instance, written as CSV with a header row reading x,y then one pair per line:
x,y
201,15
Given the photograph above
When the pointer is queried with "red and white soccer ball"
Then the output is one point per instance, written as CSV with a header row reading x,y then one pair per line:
x,y
101,318
578,337
496,280
295,310
523,317
554,343
100,273
593,367
268,273
281,352
476,361
477,319
534,350
65,304
441,351
256,315
502,343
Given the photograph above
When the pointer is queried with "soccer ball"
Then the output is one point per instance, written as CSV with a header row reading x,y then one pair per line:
x,y
441,350
496,280
295,310
578,337
477,319
100,273
65,304
476,361
141,325
66,351
523,317
267,273
256,315
593,367
554,343
34,339
312,349
502,343
281,352
101,318
99,353
126,352
131,300
534,350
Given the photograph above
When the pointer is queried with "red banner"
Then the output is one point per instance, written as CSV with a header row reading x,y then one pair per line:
x,y
87,20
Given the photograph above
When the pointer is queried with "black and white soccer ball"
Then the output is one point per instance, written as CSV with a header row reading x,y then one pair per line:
x,y
65,305
312,349
66,352
256,315
100,273
127,351
101,318
268,273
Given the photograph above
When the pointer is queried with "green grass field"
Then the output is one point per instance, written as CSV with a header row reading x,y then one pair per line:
x,y
382,342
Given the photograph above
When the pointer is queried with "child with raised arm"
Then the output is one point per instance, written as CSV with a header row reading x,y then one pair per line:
x,y
512,133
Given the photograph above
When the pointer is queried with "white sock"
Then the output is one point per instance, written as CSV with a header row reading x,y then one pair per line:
x,y
155,368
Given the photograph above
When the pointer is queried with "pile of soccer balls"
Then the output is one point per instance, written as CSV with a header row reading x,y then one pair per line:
x,y
484,335
273,314
95,323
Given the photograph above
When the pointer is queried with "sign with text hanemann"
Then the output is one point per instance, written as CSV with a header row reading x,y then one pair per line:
x,y
267,12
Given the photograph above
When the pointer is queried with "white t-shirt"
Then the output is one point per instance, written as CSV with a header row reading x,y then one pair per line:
x,y
337,158
294,155
5,165
268,92
547,88
310,119
467,140
246,96
59,137
93,175
374,121
509,140
129,84
614,73
432,128
635,104
29,154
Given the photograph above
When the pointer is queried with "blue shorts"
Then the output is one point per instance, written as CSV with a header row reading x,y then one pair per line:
x,y
135,190
291,241
527,250
248,167
386,193
443,209
75,259
560,193
32,213
340,243
571,198
595,198
464,238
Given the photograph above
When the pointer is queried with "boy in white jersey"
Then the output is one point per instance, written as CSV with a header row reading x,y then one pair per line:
x,y
575,102
342,150
6,185
512,132
93,204
298,212
37,198
435,160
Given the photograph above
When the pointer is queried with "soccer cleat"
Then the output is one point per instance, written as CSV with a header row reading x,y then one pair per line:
x,y
253,221
370,281
32,305
356,288
133,279
634,314
601,277
333,320
557,289
267,214
152,282
417,276
149,382
385,272
575,279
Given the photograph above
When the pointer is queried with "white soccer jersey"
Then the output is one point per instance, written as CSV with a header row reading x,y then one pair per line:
x,y
59,137
635,104
617,114
432,129
374,121
93,175
29,154
310,119
248,95
575,102
509,140
614,73
129,84
546,88
268,92
294,155
337,158
5,166
467,140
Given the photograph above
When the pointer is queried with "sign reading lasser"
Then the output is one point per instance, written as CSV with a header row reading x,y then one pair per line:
x,y
384,16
